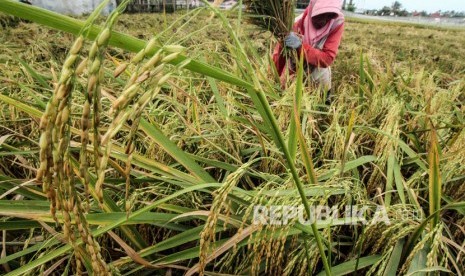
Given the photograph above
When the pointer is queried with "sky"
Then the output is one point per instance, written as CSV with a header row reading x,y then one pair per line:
x,y
412,5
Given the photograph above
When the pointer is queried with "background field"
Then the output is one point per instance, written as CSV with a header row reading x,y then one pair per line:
x,y
393,137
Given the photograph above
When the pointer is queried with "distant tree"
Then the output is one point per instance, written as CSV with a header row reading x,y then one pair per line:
x,y
450,13
372,12
351,6
385,11
396,6
403,12
424,13
344,5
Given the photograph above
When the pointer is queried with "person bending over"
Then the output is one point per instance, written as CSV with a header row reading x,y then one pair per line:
x,y
317,33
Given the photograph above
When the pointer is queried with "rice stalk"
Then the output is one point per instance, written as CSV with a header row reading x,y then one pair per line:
x,y
149,74
144,99
386,145
219,141
435,181
305,153
55,171
93,97
261,103
219,205
55,126
277,16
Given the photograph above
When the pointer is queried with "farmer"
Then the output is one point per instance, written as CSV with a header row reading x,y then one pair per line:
x,y
317,34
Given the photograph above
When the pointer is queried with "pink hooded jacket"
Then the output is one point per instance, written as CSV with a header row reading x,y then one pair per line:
x,y
315,55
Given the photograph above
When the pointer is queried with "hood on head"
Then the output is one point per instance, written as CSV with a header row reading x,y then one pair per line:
x,y
327,6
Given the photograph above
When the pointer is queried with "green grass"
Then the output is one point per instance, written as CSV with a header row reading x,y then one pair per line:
x,y
221,136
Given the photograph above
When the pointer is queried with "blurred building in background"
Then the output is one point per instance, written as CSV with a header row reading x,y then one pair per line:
x,y
82,7
161,5
73,7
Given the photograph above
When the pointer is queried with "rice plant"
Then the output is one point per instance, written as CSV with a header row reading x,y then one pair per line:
x,y
129,148
273,15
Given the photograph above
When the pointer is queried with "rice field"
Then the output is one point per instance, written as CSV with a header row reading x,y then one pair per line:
x,y
143,144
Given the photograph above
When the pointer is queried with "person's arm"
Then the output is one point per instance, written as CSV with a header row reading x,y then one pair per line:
x,y
325,57
278,59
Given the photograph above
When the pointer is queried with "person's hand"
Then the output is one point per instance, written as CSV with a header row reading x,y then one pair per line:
x,y
292,41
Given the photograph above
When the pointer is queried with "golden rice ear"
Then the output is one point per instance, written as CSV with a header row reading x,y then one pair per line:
x,y
217,3
277,16
177,150
120,69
